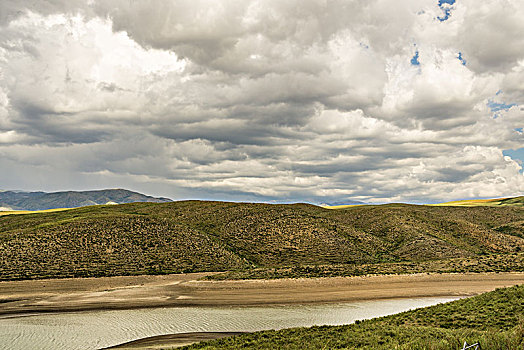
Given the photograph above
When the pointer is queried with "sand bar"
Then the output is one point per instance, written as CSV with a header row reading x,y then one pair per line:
x,y
128,292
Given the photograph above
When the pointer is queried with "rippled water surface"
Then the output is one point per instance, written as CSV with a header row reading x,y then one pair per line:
x,y
96,329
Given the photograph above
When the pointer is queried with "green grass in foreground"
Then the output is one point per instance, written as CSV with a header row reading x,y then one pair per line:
x,y
494,319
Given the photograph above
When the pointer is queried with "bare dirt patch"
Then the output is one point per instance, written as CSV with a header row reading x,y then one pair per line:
x,y
61,295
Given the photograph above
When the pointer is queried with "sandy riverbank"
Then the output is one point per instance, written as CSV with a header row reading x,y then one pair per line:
x,y
61,295
172,340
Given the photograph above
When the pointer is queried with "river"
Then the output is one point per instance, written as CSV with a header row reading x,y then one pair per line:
x,y
97,329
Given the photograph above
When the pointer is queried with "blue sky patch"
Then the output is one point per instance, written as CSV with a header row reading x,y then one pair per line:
x,y
461,58
516,154
497,107
414,60
447,11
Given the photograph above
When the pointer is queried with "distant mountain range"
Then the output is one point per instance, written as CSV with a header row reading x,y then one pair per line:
x,y
341,203
490,202
16,200
20,200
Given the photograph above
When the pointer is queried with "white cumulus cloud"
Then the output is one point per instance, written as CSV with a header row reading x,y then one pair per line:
x,y
311,100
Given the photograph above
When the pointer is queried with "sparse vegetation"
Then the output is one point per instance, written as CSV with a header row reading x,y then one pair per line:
x,y
487,263
259,240
494,319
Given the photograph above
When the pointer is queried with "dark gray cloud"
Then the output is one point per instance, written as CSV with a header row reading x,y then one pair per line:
x,y
11,10
490,36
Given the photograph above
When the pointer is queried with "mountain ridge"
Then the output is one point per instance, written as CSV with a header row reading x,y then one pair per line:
x,y
18,200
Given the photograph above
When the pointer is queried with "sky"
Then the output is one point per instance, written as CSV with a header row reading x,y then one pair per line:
x,y
280,101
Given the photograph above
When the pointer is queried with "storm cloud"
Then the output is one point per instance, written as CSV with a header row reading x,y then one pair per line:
x,y
309,100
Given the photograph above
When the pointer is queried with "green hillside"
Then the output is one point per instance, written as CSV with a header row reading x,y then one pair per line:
x,y
156,238
494,319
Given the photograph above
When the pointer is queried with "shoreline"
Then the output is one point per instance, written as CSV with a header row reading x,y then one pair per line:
x,y
172,340
19,298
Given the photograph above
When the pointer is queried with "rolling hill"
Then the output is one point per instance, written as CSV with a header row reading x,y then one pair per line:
x,y
15,200
157,238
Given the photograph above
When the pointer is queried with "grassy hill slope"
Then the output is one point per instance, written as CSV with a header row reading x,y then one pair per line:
x,y
494,319
150,238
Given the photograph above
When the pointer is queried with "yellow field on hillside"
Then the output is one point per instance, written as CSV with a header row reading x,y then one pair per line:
x,y
341,206
490,202
19,212
472,202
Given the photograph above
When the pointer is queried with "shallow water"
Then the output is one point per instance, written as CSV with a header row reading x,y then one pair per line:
x,y
96,329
